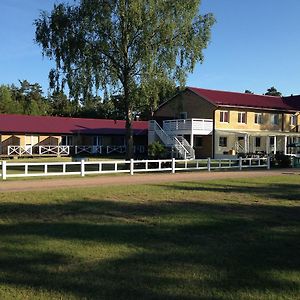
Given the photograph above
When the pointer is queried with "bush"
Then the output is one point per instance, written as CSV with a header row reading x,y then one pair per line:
x,y
156,150
280,160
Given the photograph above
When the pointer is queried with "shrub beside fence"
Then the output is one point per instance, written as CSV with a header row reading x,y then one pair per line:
x,y
82,168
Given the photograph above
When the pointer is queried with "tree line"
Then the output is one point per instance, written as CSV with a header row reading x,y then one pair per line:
x,y
28,99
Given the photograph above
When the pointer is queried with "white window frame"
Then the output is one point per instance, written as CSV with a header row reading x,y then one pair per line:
x,y
223,117
275,119
293,120
68,140
258,118
242,117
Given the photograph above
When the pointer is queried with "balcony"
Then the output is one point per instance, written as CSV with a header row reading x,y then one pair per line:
x,y
188,126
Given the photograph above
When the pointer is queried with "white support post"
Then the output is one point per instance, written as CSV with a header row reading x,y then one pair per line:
x,y
173,165
82,169
45,168
209,164
275,144
285,145
26,169
268,163
4,170
240,163
268,144
116,167
131,166
64,168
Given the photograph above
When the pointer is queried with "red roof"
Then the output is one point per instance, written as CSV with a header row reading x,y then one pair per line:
x,y
63,125
293,101
222,98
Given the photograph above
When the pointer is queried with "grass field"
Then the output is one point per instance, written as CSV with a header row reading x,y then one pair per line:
x,y
233,239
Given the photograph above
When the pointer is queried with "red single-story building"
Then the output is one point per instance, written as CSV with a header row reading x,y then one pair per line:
x,y
23,135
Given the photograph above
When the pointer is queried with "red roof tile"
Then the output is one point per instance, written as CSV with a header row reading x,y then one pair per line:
x,y
63,125
222,98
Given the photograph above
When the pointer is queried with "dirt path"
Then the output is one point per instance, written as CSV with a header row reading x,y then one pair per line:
x,y
63,182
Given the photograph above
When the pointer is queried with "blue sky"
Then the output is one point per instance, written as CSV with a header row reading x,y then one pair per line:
x,y
255,45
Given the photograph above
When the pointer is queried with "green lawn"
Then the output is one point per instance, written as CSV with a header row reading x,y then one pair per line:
x,y
234,239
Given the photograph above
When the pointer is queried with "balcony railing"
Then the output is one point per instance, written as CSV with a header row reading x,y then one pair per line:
x,y
189,126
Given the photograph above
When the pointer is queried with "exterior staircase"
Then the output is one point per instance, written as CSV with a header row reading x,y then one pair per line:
x,y
179,143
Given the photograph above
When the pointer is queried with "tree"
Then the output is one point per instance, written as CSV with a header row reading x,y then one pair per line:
x,y
272,91
248,92
7,103
127,48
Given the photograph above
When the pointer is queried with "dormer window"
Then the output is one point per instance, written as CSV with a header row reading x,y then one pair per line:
x,y
224,116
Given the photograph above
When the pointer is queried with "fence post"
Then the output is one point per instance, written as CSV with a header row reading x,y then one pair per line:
x,y
131,166
208,164
4,170
240,163
268,163
173,165
82,169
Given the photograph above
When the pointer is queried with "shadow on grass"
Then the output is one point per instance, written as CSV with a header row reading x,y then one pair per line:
x,y
169,250
274,191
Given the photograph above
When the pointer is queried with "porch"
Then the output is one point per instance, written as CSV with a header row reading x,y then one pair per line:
x,y
54,150
229,143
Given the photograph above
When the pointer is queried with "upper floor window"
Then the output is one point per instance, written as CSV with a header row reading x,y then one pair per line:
x,y
242,117
293,120
275,119
258,118
224,116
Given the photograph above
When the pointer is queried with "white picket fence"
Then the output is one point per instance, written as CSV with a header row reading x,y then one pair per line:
x,y
82,168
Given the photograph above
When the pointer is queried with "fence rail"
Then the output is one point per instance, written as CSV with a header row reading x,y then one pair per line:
x,y
17,170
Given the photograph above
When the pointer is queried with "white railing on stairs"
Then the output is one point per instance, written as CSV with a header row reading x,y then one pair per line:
x,y
185,150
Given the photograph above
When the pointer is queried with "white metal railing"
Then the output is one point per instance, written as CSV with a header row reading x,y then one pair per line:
x,y
56,150
171,140
204,125
17,170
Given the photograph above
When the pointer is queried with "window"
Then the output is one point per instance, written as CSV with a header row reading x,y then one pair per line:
x,y
275,119
67,140
257,142
293,120
242,117
258,118
97,141
183,115
224,116
223,141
